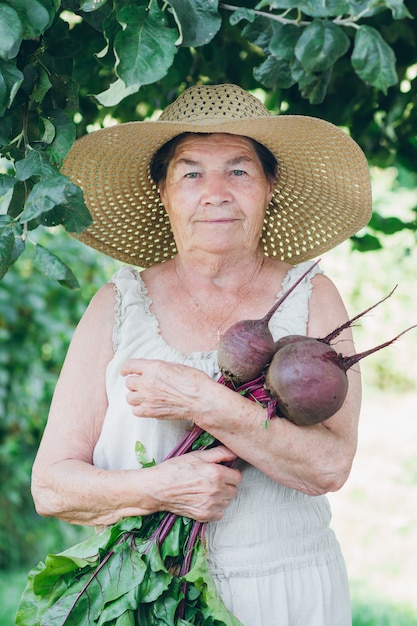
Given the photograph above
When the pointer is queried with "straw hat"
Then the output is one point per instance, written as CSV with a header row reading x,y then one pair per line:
x,y
322,196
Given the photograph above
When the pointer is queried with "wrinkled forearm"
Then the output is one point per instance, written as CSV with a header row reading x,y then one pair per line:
x,y
313,459
79,493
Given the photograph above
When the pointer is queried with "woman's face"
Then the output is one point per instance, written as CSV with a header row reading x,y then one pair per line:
x,y
216,194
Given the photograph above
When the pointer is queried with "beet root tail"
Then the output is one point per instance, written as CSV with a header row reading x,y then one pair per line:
x,y
346,362
336,332
287,293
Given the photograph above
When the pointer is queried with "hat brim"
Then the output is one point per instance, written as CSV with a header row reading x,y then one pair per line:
x,y
321,198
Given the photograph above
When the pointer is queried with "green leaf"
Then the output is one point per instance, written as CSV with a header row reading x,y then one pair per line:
x,y
203,581
398,9
42,86
312,86
11,32
242,14
373,59
320,45
145,48
260,32
64,137
274,73
35,15
283,41
366,243
60,195
34,165
141,455
315,8
53,267
6,183
6,251
198,21
10,80
116,93
388,225
91,5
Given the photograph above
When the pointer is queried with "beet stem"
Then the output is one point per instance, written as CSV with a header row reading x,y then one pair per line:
x,y
335,333
287,293
346,362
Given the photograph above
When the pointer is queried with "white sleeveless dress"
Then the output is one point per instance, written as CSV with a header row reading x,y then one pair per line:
x,y
273,556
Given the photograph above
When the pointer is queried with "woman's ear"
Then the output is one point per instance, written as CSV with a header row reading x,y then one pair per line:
x,y
161,190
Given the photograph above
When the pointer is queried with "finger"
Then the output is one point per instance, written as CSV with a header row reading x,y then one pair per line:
x,y
218,454
133,366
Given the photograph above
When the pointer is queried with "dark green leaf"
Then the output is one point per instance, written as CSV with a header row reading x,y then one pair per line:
x,y
398,8
42,86
34,165
6,183
57,192
260,32
146,45
373,59
6,251
388,225
274,73
91,5
312,86
366,243
242,14
11,32
314,8
320,45
36,16
198,21
64,137
283,41
10,80
53,267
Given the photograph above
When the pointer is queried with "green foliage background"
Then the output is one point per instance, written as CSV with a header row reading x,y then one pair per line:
x,y
68,67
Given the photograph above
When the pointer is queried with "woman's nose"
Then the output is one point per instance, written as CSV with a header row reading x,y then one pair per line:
x,y
216,189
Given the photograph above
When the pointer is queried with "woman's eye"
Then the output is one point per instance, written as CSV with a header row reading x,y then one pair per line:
x,y
191,175
238,172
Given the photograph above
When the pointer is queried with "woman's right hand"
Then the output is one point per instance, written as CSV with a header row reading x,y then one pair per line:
x,y
197,484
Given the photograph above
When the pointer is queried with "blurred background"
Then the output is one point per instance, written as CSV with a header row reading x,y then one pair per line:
x,y
374,514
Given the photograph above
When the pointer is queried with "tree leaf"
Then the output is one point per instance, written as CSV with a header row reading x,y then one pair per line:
x,y
36,16
313,8
65,134
274,72
6,251
312,85
145,48
91,5
58,194
11,32
242,14
283,41
34,165
116,93
373,59
198,21
53,267
10,80
398,9
320,45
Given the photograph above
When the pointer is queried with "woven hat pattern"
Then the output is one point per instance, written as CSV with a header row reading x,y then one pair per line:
x,y
322,196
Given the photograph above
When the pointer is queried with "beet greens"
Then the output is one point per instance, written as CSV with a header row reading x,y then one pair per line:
x,y
142,570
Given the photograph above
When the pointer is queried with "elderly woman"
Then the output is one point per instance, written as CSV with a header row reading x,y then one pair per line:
x,y
223,204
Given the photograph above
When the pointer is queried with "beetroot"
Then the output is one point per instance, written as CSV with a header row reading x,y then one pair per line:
x,y
307,377
247,347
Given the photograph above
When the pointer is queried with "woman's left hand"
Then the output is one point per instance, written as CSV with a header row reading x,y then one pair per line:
x,y
165,390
